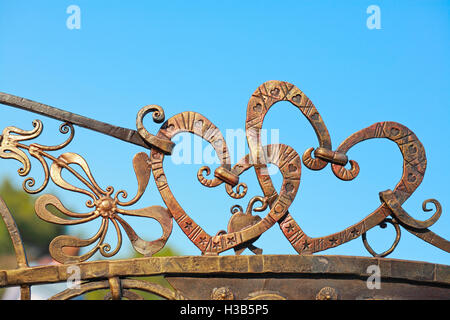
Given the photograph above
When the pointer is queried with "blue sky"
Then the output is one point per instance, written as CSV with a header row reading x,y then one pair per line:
x,y
209,57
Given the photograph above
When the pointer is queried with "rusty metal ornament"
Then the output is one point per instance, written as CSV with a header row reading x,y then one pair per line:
x,y
243,229
11,148
222,293
240,220
289,165
412,150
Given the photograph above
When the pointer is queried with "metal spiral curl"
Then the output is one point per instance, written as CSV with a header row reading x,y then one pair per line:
x,y
238,194
11,143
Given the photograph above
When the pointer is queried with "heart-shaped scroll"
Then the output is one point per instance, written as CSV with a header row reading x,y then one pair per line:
x,y
287,160
289,164
281,155
414,166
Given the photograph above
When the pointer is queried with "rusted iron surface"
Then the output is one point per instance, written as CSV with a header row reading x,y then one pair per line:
x,y
243,229
292,276
303,288
124,134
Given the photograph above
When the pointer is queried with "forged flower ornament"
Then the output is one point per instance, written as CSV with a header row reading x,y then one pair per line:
x,y
104,207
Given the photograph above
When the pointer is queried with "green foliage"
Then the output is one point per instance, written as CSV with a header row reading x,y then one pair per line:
x,y
36,234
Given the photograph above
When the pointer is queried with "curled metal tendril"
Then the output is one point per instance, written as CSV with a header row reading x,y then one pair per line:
x,y
391,200
109,190
430,221
122,193
158,116
437,206
30,182
312,163
238,194
345,174
236,208
251,204
203,180
241,188
64,128
105,248
158,113
12,148
264,204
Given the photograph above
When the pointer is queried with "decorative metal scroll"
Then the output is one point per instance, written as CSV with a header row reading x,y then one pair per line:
x,y
244,228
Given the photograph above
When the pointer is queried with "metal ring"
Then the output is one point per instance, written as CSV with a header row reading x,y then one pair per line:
x,y
394,245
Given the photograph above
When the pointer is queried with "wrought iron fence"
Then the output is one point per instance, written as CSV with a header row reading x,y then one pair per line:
x,y
210,276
